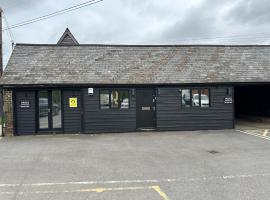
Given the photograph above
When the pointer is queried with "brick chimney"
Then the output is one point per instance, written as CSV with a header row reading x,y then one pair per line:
x,y
1,43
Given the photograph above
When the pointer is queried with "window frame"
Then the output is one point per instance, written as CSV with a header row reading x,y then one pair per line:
x,y
200,93
210,102
99,102
110,98
190,103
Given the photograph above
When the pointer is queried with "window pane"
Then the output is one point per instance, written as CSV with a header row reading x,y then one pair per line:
x,y
124,98
195,97
115,99
43,109
205,102
104,99
56,109
186,98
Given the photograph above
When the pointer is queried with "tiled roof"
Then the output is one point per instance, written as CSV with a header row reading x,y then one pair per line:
x,y
135,64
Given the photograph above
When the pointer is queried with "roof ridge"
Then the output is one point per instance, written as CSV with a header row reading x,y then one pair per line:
x,y
149,45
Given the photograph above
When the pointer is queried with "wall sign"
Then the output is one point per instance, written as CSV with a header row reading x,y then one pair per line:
x,y
90,91
228,100
73,102
24,104
146,108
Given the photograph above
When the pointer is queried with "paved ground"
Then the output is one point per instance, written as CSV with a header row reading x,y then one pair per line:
x,y
136,166
253,124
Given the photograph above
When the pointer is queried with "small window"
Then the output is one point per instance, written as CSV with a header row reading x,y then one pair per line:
x,y
195,98
104,99
186,101
124,99
114,99
205,102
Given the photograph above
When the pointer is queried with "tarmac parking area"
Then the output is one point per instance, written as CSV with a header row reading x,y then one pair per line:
x,y
224,164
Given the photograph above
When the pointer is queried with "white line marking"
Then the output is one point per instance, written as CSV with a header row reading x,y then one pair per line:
x,y
255,134
206,178
265,132
91,182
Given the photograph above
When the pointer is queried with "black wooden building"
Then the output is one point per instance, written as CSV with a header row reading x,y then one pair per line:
x,y
87,88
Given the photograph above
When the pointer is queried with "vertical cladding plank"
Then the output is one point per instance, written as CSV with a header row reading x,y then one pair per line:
x,y
171,116
25,115
97,120
8,100
72,115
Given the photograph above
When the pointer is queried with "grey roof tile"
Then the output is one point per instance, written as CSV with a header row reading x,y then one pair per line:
x,y
134,64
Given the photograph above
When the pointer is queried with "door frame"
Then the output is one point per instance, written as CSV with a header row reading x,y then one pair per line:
x,y
155,105
50,128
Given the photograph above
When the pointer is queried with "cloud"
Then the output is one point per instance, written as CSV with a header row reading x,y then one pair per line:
x,y
141,21
201,20
250,11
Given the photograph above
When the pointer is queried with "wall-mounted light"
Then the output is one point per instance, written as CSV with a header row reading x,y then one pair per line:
x,y
158,91
133,92
229,91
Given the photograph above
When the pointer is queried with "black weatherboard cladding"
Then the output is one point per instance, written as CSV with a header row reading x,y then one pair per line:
x,y
72,116
89,118
171,116
107,120
25,117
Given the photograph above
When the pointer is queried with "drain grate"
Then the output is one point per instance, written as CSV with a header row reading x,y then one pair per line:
x,y
213,152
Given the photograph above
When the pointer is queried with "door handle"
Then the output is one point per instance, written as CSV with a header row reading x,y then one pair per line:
x,y
154,108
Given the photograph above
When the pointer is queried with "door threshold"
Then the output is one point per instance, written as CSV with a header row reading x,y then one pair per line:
x,y
146,129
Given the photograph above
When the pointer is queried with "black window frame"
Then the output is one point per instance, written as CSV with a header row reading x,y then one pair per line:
x,y
190,103
200,92
109,93
110,98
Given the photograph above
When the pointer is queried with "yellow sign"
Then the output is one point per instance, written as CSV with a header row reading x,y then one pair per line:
x,y
73,102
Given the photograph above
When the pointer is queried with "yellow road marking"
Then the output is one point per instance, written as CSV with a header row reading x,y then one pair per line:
x,y
156,188
265,132
160,192
99,190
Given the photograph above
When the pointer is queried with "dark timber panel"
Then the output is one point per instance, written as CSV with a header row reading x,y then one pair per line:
x,y
72,116
171,116
25,117
97,120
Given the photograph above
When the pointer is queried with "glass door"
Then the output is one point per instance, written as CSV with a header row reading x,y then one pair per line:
x,y
49,110
56,109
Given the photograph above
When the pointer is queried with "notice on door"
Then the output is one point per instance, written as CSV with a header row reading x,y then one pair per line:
x,y
73,102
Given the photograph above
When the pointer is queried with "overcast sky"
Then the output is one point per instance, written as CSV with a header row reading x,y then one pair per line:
x,y
142,22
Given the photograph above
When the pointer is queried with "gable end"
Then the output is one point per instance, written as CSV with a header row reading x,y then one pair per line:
x,y
67,39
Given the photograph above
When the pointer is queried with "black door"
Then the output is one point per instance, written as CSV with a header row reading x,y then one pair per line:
x,y
49,110
146,108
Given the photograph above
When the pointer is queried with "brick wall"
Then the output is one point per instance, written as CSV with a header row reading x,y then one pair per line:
x,y
8,113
